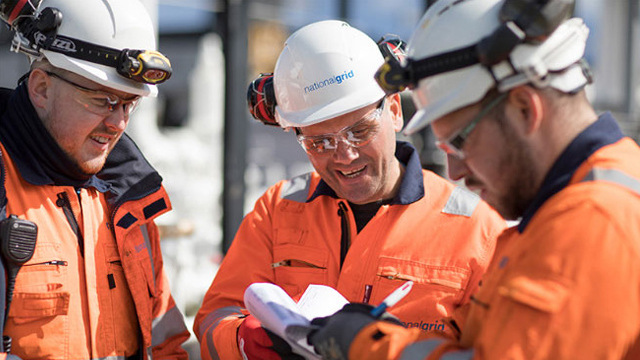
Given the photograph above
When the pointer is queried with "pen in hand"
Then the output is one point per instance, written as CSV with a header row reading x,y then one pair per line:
x,y
392,299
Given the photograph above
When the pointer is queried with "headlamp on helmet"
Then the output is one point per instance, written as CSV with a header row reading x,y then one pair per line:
x,y
522,21
35,33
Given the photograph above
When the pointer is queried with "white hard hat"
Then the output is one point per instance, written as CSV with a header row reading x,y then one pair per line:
x,y
450,25
325,70
116,24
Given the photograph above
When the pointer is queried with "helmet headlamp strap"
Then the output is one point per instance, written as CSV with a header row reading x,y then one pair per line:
x,y
521,20
143,66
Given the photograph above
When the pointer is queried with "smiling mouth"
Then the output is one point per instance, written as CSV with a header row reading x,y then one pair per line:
x,y
353,173
100,139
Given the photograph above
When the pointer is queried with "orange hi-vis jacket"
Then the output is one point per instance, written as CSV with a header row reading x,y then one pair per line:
x,y
113,301
95,287
565,283
433,233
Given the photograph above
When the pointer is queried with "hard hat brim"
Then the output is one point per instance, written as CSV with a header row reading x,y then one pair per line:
x,y
339,107
100,74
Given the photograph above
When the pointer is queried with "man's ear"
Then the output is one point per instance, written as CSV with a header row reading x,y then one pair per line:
x,y
527,101
395,107
39,86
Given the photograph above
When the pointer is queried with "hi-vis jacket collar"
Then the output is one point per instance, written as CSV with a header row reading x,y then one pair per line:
x,y
603,132
412,186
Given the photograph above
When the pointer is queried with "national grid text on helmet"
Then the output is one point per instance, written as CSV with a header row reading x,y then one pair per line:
x,y
330,81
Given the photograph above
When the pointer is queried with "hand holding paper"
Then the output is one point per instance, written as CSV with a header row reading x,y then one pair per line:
x,y
279,313
336,332
336,320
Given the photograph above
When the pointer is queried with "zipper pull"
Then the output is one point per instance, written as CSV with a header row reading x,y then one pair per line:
x,y
281,263
57,262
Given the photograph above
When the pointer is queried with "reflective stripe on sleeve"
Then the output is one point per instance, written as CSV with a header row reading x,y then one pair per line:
x,y
458,355
614,176
169,324
147,243
297,189
461,202
421,349
211,321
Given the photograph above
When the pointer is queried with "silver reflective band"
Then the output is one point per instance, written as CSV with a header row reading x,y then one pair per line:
x,y
211,321
421,349
165,326
459,355
147,244
461,202
615,176
297,189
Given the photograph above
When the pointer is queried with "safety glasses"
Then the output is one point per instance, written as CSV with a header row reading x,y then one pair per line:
x,y
357,135
100,102
454,144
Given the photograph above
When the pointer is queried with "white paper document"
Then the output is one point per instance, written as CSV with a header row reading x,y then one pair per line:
x,y
277,312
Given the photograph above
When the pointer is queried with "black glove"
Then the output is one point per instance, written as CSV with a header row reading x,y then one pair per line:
x,y
336,333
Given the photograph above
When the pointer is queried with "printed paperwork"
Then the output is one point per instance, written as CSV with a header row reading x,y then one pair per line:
x,y
277,312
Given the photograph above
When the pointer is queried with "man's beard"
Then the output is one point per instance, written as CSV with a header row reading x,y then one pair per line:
x,y
518,167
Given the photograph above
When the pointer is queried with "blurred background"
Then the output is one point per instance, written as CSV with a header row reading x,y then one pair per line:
x,y
216,160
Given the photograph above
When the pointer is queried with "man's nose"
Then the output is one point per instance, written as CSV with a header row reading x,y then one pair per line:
x,y
117,119
345,152
456,167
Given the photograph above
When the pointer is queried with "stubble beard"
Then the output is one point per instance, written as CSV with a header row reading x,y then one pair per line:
x,y
520,190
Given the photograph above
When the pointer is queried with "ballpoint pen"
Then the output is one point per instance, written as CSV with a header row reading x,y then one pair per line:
x,y
392,299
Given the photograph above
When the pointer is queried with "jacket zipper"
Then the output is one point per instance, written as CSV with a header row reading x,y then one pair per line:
x,y
52,262
394,277
295,263
449,284
345,237
64,203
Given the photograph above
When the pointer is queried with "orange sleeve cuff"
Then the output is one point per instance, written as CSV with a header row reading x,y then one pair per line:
x,y
382,340
225,340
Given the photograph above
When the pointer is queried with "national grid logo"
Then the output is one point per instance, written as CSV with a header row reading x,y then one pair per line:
x,y
337,79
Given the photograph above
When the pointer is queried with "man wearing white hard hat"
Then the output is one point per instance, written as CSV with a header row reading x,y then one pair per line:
x,y
81,251
365,222
502,84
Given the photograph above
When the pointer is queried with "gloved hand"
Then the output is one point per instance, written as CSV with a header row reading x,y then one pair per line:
x,y
336,333
256,342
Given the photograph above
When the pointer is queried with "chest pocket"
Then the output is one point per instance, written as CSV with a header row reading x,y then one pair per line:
x,y
436,291
40,305
46,272
297,266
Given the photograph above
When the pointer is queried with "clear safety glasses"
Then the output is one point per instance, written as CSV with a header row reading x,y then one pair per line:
x,y
357,135
100,102
454,144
